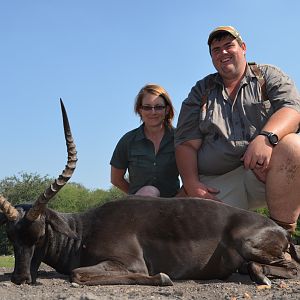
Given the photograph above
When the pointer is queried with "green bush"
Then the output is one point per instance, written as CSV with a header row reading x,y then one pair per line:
x,y
24,187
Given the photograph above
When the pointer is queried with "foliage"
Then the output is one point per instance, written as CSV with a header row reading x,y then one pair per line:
x,y
5,246
23,188
263,211
76,198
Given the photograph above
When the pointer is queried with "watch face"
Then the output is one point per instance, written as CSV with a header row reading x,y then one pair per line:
x,y
273,138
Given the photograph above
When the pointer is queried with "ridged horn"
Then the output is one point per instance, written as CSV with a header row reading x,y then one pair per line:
x,y
41,203
9,210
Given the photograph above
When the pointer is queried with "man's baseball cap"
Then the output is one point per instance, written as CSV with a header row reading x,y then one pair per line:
x,y
228,29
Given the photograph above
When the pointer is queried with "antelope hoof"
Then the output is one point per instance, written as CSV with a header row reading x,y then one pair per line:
x,y
165,279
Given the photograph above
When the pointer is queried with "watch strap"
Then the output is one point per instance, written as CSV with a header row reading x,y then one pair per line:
x,y
270,136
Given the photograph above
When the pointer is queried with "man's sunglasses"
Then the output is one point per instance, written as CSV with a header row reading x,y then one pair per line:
x,y
150,108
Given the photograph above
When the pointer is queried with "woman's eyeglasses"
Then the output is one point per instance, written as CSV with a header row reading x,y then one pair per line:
x,y
150,108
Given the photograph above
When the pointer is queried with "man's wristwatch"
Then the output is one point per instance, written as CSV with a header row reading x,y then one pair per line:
x,y
272,137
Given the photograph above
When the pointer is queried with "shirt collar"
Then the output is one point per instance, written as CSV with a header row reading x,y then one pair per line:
x,y
140,134
245,80
248,75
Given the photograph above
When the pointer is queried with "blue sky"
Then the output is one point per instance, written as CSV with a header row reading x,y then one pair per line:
x,y
96,55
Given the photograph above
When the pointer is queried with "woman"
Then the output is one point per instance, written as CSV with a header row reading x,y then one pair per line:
x,y
147,152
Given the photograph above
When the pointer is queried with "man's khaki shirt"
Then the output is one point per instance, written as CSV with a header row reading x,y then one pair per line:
x,y
226,127
135,153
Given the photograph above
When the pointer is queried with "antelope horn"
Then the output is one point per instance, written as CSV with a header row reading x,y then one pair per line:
x,y
9,210
40,204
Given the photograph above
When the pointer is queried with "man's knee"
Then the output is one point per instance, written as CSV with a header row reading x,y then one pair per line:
x,y
285,161
288,149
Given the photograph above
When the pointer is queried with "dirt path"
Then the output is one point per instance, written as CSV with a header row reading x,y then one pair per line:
x,y
52,285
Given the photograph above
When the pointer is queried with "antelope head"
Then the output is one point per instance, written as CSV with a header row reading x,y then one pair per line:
x,y
25,225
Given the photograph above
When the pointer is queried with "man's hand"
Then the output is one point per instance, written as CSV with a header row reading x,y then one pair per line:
x,y
258,154
188,169
200,190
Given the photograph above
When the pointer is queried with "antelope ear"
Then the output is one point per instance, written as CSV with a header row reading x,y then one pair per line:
x,y
59,224
294,252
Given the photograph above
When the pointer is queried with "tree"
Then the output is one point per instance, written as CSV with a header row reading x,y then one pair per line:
x,y
24,188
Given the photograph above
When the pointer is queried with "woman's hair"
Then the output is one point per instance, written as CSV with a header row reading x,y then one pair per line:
x,y
157,90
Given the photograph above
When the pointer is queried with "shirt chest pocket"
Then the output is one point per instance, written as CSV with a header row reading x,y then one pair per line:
x,y
259,112
208,117
139,158
265,109
166,157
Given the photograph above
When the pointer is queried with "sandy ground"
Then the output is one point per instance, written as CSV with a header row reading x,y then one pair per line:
x,y
52,285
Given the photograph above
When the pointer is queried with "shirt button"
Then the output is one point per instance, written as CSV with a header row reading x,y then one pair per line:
x,y
154,164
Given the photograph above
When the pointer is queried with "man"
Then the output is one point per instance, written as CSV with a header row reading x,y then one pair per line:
x,y
236,138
